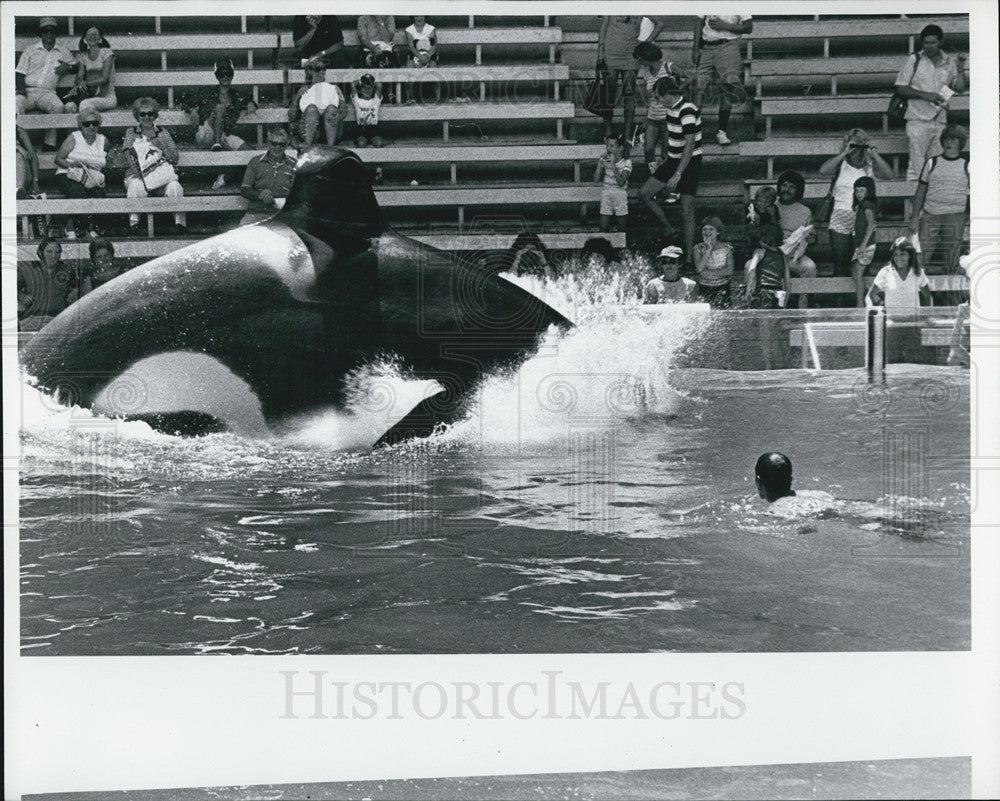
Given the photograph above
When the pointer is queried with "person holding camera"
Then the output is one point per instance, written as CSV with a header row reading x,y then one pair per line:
x,y
857,158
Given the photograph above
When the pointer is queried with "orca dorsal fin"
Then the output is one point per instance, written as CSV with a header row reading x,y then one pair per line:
x,y
332,197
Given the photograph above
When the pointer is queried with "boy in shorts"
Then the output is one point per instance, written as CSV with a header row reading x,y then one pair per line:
x,y
614,168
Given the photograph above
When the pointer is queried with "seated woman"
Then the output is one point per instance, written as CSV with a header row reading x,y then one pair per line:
x,y
901,286
44,288
80,165
318,101
157,146
102,262
381,45
95,77
713,262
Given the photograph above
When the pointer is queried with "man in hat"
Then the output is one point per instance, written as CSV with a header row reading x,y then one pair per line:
x,y
37,75
668,287
219,109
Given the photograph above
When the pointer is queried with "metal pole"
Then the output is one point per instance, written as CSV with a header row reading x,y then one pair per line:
x,y
875,344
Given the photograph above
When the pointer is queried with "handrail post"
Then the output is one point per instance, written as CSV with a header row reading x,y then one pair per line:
x,y
875,324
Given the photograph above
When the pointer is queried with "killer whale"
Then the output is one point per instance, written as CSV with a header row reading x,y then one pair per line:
x,y
279,313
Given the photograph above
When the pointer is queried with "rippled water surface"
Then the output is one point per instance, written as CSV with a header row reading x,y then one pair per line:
x,y
578,509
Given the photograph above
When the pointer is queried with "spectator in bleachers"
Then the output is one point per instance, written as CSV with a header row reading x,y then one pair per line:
x,y
713,263
958,352
219,109
37,75
669,286
796,221
366,97
95,77
679,172
716,54
80,165
901,286
766,273
382,46
268,178
528,256
857,158
597,252
44,287
318,101
763,211
26,166
652,67
319,37
616,43
612,171
941,204
865,210
102,262
927,80
421,39
153,146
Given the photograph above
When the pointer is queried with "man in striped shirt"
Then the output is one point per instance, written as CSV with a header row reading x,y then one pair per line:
x,y
681,167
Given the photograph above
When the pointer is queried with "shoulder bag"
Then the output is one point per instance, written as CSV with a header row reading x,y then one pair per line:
x,y
599,100
897,103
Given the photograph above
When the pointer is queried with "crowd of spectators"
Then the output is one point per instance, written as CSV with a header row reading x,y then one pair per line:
x,y
780,227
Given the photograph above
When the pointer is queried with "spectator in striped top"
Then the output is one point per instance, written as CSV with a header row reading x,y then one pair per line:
x,y
941,204
679,172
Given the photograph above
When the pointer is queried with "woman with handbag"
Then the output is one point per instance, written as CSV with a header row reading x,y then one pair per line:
x,y
616,42
95,78
152,156
857,158
80,166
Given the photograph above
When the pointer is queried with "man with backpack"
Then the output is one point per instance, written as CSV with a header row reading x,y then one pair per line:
x,y
941,204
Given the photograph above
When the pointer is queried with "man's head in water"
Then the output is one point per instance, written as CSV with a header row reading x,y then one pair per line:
x,y
774,476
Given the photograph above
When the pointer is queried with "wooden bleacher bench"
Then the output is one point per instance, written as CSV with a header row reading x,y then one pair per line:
x,y
848,107
172,42
171,79
824,31
477,37
893,146
798,71
583,157
437,112
144,248
463,76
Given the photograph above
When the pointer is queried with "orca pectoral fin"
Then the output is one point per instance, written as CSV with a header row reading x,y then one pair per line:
x,y
420,421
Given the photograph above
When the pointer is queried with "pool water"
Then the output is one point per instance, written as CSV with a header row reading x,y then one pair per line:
x,y
599,499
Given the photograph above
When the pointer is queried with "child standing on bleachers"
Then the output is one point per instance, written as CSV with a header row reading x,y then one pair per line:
x,y
865,209
613,168
366,97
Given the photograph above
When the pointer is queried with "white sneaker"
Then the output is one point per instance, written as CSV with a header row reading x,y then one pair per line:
x,y
722,139
219,182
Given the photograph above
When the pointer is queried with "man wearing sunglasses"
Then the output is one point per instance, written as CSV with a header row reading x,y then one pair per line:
x,y
268,177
